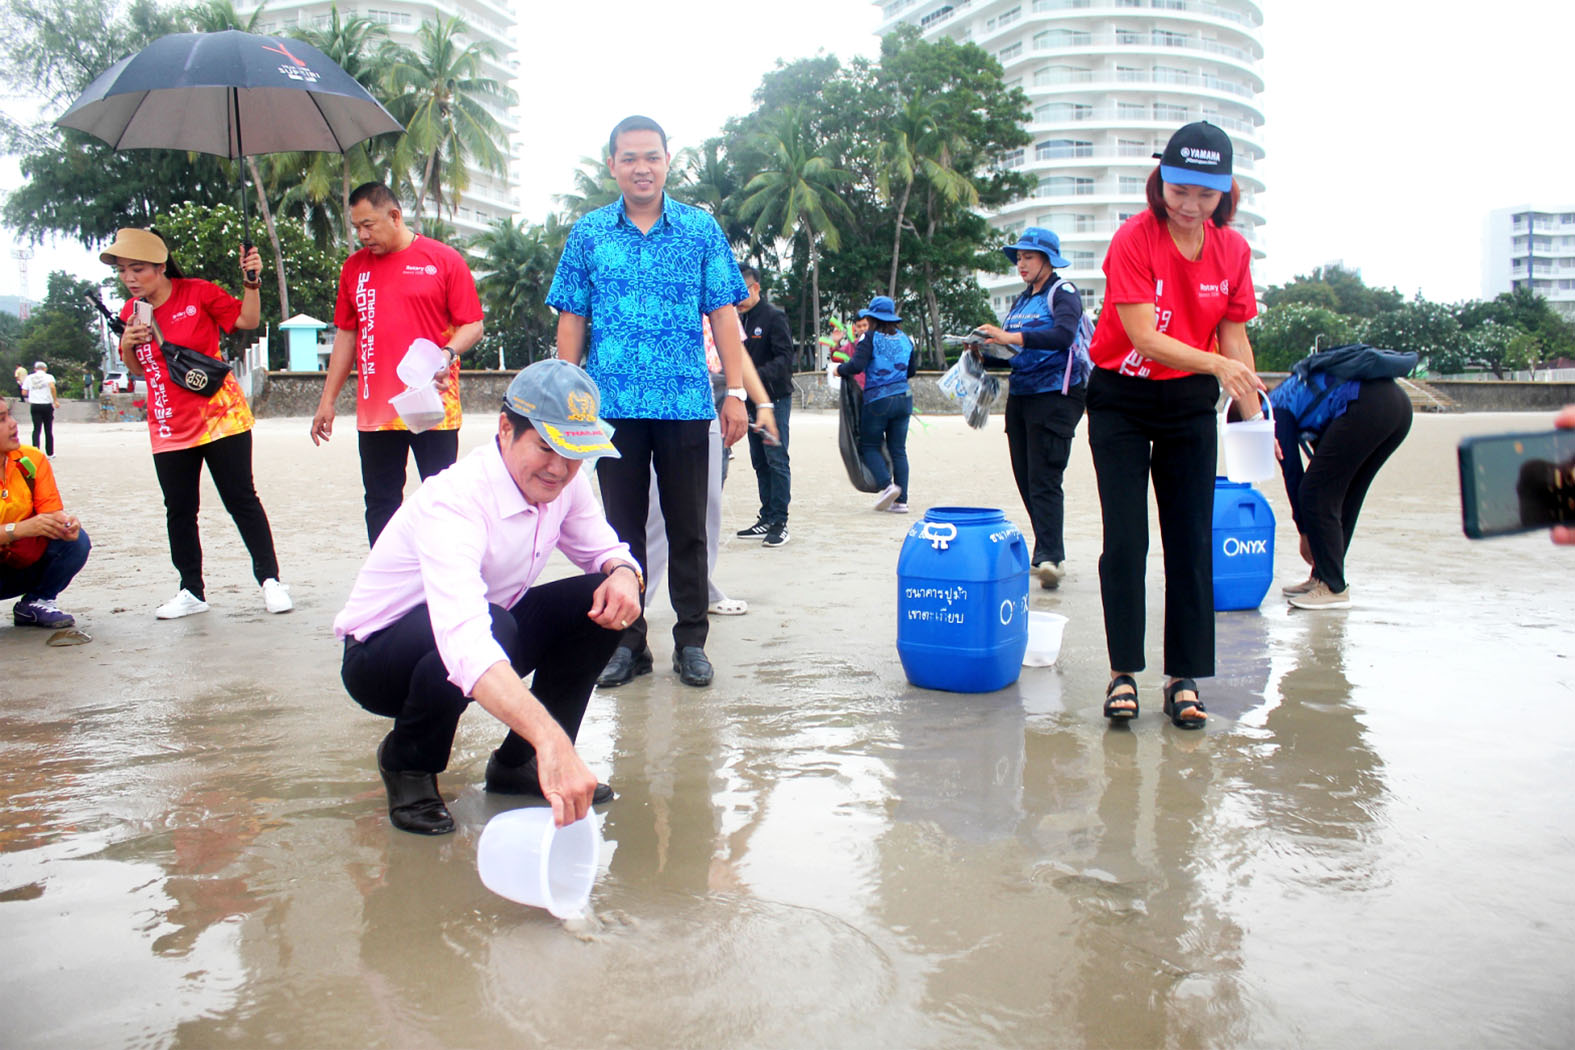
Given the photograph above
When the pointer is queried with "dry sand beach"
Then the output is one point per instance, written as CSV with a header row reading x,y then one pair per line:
x,y
1368,846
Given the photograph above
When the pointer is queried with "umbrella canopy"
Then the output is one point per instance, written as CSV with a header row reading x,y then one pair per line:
x,y
232,94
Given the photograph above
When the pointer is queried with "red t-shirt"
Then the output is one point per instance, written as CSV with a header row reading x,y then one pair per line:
x,y
1190,298
191,317
423,292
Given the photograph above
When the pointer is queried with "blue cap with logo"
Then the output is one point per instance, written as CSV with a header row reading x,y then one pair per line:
x,y
562,403
1037,239
1198,154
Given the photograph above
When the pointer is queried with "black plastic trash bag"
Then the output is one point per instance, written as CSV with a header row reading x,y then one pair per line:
x,y
848,439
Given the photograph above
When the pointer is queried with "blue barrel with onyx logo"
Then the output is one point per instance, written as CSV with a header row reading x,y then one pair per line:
x,y
1243,546
962,600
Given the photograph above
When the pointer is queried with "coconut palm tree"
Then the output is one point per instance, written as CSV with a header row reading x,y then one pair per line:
x,y
918,148
442,99
360,47
594,187
794,197
514,262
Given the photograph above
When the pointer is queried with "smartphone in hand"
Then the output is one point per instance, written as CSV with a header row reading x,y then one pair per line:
x,y
1513,483
142,311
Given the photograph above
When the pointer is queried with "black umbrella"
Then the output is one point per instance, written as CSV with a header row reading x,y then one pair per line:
x,y
231,94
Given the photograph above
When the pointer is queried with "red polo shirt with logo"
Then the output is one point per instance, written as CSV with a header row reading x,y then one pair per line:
x,y
424,291
1191,298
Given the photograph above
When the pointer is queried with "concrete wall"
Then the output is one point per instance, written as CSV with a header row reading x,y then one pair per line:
x,y
296,394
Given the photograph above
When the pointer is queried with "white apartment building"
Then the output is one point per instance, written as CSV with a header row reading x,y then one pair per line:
x,y
1528,246
1108,81
490,197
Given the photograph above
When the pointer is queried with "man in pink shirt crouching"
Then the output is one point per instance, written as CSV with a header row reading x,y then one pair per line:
x,y
445,612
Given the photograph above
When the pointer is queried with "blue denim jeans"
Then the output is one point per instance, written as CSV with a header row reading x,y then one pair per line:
x,y
47,576
887,420
773,475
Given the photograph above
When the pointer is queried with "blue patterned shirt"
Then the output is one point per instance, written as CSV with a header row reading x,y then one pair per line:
x,y
642,295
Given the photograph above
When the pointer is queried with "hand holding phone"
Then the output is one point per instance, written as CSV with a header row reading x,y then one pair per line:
x,y
142,311
1513,483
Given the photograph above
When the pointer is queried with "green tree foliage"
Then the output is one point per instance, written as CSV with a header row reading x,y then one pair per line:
x,y
1335,288
514,265
1285,333
63,332
206,243
1428,328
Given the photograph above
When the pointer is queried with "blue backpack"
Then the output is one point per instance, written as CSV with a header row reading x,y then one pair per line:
x,y
1077,353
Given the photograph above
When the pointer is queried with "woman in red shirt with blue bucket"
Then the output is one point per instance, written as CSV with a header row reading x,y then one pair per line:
x,y
1178,295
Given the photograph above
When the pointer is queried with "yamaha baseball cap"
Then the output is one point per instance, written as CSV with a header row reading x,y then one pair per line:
x,y
1198,154
562,403
1037,239
136,245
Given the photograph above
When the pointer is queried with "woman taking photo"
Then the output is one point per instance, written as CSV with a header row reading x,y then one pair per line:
x,y
189,429
1045,398
1178,295
885,357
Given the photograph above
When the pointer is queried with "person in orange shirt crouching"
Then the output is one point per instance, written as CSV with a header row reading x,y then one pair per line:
x,y
42,548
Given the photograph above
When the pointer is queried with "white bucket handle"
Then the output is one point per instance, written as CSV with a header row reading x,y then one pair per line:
x,y
1268,409
939,533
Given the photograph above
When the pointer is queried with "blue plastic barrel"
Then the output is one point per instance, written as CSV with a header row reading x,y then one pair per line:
x,y
962,600
1243,546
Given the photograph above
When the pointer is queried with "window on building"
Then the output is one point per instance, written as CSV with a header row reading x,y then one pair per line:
x,y
1171,75
1165,38
1131,75
1130,37
1132,183
1167,111
1013,159
1059,112
1006,54
1063,149
1054,38
1080,260
1131,111
1066,186
1132,148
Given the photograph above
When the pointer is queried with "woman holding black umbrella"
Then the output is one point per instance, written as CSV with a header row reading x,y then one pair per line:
x,y
189,429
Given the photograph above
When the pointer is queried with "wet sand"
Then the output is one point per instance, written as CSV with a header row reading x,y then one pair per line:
x,y
1369,845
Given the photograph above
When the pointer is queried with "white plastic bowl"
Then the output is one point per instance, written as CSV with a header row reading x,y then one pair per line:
x,y
420,407
523,857
1044,638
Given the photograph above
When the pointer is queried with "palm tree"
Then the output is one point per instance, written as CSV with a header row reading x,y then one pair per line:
x,y
918,148
708,178
360,47
514,263
216,16
442,99
794,196
594,187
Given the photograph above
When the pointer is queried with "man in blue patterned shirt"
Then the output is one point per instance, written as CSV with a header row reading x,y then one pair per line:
x,y
634,280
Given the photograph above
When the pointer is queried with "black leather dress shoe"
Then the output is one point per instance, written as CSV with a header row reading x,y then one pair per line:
x,y
414,803
526,780
623,666
692,666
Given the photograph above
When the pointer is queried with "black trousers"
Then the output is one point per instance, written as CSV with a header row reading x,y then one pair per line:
x,y
1349,455
678,449
1138,428
398,673
229,462
1039,429
44,420
383,457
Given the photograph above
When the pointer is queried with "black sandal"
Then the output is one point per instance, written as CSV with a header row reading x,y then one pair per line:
x,y
1183,713
1121,714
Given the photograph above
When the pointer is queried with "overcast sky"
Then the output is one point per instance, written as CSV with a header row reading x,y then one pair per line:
x,y
1392,128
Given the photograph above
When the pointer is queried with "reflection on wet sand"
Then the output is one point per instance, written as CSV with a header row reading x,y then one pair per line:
x,y
1360,849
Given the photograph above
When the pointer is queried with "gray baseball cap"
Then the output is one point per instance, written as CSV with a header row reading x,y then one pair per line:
x,y
562,402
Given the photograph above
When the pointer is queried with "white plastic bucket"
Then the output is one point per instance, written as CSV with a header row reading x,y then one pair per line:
x,y
421,407
1249,445
1044,638
833,381
523,857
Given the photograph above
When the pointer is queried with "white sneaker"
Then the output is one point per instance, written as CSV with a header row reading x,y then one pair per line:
x,y
183,604
898,508
1300,588
276,596
888,496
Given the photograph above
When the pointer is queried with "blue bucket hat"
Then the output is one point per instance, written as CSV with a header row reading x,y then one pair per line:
x,y
1037,239
881,308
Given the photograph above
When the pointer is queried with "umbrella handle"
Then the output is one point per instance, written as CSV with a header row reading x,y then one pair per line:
x,y
251,275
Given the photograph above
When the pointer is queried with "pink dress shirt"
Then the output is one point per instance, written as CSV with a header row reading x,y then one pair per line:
x,y
469,539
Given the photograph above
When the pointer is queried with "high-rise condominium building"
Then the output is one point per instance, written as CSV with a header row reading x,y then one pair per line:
x,y
489,197
1531,247
1107,83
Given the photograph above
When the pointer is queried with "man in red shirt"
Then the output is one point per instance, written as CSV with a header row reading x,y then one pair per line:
x,y
397,288
41,546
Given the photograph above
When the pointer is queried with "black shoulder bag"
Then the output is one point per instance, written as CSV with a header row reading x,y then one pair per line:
x,y
192,369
